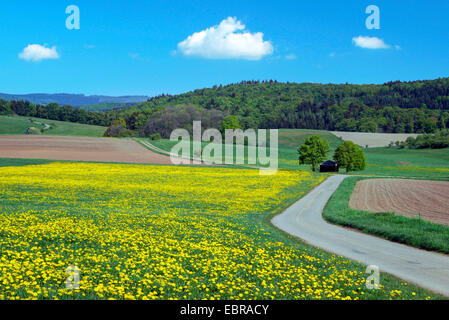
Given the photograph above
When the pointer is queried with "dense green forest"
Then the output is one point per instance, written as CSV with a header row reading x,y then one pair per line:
x,y
418,106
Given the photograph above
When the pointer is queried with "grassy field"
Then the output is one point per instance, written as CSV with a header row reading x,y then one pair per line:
x,y
15,125
393,161
420,234
289,141
11,125
293,138
381,161
425,163
153,232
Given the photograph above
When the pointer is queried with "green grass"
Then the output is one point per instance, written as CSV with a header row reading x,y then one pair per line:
x,y
423,235
425,163
289,141
18,162
6,162
293,138
16,125
167,145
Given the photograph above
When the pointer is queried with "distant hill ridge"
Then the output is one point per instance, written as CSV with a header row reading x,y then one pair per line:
x,y
75,100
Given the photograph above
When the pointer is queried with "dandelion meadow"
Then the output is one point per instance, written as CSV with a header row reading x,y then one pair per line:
x,y
164,232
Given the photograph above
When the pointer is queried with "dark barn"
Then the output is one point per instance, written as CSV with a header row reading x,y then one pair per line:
x,y
329,166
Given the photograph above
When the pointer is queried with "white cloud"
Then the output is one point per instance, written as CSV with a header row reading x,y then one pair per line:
x,y
36,52
290,56
370,43
228,40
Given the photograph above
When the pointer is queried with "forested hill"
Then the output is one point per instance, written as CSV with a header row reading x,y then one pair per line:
x,y
419,106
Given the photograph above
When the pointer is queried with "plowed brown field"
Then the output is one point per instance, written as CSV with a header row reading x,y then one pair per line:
x,y
78,149
404,197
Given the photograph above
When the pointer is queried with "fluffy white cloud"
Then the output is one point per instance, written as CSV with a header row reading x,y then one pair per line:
x,y
228,40
370,43
290,56
36,52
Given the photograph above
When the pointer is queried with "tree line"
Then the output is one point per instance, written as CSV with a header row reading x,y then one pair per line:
x,y
437,140
53,111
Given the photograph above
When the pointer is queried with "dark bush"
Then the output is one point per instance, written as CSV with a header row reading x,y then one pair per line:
x,y
118,129
181,117
155,136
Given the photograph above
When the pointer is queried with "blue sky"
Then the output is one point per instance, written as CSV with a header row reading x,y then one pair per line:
x,y
132,47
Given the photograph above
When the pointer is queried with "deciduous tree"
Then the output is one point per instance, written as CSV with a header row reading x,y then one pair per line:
x,y
314,151
350,156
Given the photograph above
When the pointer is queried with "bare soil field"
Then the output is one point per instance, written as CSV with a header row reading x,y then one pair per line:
x,y
372,140
404,197
78,149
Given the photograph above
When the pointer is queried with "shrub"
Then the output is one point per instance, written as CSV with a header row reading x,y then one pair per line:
x,y
33,130
155,136
118,129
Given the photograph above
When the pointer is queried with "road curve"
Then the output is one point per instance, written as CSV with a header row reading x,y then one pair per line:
x,y
304,220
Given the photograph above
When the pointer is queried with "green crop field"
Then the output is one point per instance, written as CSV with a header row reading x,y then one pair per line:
x,y
12,125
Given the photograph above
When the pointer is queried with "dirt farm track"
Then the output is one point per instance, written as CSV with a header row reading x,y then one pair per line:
x,y
78,149
403,197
